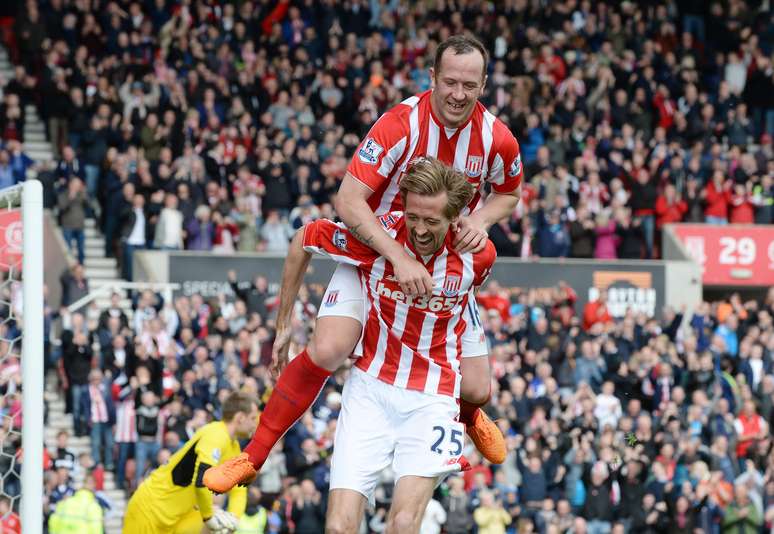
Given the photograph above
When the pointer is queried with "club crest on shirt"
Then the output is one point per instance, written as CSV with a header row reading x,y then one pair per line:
x,y
474,166
451,286
369,151
339,240
515,166
216,455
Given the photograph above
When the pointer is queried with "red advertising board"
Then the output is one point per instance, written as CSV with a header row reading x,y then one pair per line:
x,y
737,255
10,240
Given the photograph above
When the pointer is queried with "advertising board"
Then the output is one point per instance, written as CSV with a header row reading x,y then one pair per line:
x,y
637,285
736,255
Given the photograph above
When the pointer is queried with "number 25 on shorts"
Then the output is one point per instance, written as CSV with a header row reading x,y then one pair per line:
x,y
455,437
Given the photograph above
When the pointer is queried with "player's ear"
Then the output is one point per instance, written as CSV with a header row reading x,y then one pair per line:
x,y
483,85
431,70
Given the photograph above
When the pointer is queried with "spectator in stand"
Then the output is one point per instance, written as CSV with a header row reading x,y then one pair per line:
x,y
276,232
76,358
582,234
64,457
670,207
607,239
74,284
120,203
596,312
147,445
490,517
99,410
457,505
717,197
94,148
740,204
72,216
19,161
308,514
133,233
434,518
650,517
694,200
169,228
750,428
593,193
596,510
11,119
79,513
124,390
69,167
643,204
62,487
7,178
200,231
629,232
10,522
742,515
226,233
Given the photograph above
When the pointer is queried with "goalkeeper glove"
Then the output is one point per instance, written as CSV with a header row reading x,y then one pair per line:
x,y
222,522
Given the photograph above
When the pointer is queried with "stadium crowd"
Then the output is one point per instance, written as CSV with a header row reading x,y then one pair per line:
x,y
212,126
218,126
629,425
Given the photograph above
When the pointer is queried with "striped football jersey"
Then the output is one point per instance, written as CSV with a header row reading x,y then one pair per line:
x,y
483,148
410,342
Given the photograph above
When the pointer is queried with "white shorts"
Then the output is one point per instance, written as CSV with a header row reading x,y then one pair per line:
x,y
382,425
345,297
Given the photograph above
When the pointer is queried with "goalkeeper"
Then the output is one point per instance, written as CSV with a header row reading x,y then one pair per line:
x,y
173,498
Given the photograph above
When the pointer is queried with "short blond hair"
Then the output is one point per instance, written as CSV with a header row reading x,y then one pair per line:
x,y
236,402
428,176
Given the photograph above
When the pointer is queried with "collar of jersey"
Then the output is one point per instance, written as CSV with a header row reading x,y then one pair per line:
x,y
440,123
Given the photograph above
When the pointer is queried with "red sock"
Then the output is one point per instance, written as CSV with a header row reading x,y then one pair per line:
x,y
298,386
469,412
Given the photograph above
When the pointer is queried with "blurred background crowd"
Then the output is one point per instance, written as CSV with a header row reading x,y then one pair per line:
x,y
636,425
224,126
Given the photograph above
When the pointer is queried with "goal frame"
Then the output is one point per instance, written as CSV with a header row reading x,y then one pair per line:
x,y
32,363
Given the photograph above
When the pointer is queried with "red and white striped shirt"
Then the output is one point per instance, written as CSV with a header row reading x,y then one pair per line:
x,y
99,411
483,148
125,430
409,342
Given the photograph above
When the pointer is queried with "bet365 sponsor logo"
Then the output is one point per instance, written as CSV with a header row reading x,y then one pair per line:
x,y
436,303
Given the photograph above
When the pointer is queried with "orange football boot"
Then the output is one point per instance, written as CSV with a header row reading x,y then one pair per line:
x,y
488,439
238,471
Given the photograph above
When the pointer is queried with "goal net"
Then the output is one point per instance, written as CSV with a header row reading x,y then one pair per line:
x,y
21,354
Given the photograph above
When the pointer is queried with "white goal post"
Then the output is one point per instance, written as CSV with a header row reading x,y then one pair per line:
x,y
32,358
21,279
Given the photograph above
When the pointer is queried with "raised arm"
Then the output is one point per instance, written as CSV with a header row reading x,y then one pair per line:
x,y
296,264
352,206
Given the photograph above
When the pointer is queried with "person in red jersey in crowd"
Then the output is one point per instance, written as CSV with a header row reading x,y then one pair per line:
x,y
10,522
670,207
